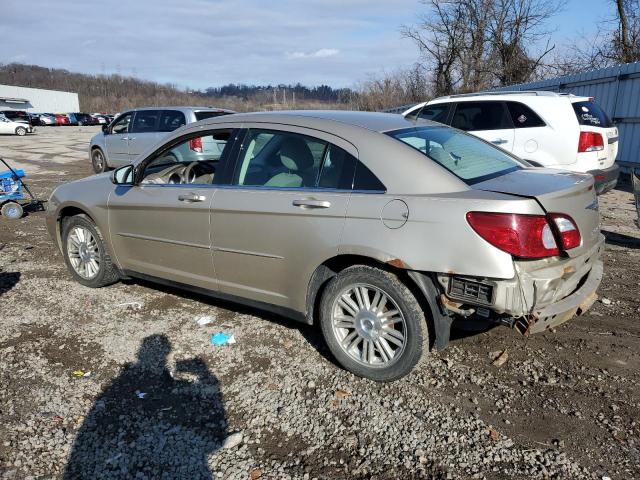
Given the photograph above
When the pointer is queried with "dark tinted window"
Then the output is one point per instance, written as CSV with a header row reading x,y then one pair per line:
x,y
366,180
481,116
170,120
208,114
436,113
589,113
145,121
337,169
523,117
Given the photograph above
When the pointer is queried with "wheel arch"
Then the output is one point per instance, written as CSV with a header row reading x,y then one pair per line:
x,y
421,284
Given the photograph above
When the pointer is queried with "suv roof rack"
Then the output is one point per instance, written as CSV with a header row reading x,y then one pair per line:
x,y
542,93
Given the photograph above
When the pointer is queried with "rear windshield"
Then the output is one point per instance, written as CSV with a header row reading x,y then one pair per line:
x,y
590,114
468,158
208,114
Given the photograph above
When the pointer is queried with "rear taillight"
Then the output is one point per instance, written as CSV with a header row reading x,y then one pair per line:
x,y
567,230
195,144
523,236
590,142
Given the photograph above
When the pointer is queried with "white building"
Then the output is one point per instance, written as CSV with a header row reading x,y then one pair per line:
x,y
37,100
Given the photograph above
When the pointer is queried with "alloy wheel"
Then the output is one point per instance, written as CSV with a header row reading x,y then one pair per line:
x,y
82,249
368,325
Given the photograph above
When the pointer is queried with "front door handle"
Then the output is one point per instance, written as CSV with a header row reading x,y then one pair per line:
x,y
124,139
192,197
311,203
499,141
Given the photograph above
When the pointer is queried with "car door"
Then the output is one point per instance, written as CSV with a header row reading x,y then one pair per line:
x,y
6,126
144,132
160,227
282,214
116,140
488,120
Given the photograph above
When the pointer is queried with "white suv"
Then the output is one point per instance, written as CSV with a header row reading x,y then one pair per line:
x,y
547,129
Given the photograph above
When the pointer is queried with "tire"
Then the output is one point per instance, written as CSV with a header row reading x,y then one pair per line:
x,y
390,360
21,131
98,161
80,124
12,210
92,265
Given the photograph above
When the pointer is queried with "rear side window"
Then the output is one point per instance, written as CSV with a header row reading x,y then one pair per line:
x,y
435,113
365,179
170,120
481,116
467,157
145,121
208,114
337,169
523,117
590,114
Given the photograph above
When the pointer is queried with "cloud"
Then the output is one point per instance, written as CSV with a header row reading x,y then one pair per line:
x,y
322,53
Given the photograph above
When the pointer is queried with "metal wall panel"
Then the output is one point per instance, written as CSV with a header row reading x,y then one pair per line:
x,y
616,90
38,100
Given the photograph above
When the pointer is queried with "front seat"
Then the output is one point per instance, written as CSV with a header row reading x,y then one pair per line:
x,y
297,159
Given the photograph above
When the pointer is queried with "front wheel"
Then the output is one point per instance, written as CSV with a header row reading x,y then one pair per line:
x,y
373,324
85,253
98,161
21,131
12,210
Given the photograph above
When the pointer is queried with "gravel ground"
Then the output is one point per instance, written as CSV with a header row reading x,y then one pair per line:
x,y
122,382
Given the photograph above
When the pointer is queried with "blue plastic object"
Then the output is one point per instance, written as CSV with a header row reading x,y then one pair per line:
x,y
10,186
220,339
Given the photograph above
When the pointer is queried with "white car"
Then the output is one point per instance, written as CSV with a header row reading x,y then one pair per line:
x,y
14,128
552,130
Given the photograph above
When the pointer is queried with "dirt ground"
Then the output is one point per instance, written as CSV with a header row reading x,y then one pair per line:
x,y
150,391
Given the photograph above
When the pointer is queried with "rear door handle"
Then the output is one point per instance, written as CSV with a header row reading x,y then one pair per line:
x,y
192,197
311,203
499,141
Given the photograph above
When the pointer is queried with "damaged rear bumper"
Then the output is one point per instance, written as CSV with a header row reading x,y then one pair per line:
x,y
543,293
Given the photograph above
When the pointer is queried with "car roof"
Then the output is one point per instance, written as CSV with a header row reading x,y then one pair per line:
x,y
374,121
182,108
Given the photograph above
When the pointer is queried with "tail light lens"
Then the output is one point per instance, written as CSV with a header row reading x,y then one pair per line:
x,y
523,236
195,144
590,142
567,230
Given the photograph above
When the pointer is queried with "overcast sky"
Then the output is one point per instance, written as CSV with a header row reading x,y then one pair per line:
x,y
201,43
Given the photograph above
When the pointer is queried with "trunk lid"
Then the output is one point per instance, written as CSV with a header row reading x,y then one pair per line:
x,y
557,192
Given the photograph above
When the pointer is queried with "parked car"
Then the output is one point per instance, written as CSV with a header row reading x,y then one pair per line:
x,y
83,119
370,224
47,119
14,127
17,116
547,129
100,118
134,131
62,119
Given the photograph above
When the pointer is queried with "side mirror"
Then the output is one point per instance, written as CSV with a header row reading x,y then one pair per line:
x,y
122,175
105,129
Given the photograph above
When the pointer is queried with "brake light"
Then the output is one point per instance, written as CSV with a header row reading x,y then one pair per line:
x,y
590,142
195,144
523,236
567,230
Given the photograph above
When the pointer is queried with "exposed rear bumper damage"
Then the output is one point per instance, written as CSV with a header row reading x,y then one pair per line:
x,y
543,293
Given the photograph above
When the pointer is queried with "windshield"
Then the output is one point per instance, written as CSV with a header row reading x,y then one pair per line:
x,y
464,155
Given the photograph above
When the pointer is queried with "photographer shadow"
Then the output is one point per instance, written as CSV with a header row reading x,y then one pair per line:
x,y
148,425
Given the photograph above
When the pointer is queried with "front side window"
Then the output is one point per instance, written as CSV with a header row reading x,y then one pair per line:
x,y
194,160
122,124
435,113
284,160
466,156
478,116
145,121
171,120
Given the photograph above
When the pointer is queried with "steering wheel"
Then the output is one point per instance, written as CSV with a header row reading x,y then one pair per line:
x,y
188,175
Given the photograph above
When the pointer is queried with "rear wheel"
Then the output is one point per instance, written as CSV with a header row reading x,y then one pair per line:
x,y
12,210
85,253
373,324
21,131
97,160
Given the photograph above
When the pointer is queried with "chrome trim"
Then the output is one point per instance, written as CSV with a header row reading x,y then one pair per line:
x,y
260,187
163,240
247,252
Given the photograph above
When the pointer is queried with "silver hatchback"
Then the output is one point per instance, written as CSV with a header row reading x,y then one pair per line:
x,y
381,229
133,131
